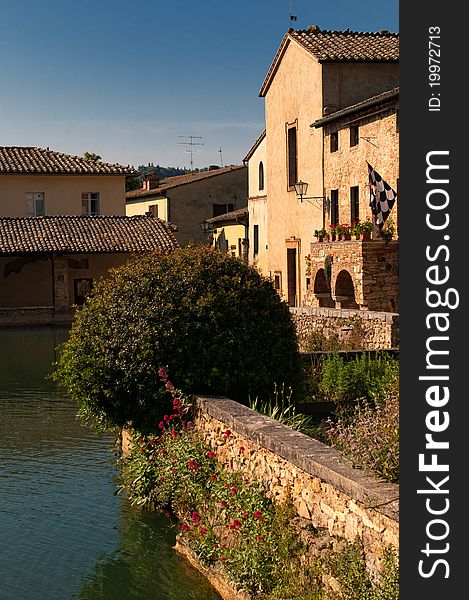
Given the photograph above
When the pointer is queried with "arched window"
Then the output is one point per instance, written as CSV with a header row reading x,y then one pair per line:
x,y
261,176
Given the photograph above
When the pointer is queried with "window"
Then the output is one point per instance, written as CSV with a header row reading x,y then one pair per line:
x,y
334,207
354,204
353,135
90,203
256,240
292,157
82,288
221,209
35,204
334,141
261,176
278,280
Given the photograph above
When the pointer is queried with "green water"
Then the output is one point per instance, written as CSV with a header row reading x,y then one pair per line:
x,y
64,533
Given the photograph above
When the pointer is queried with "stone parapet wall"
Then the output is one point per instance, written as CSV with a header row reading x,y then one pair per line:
x,y
352,328
34,315
323,485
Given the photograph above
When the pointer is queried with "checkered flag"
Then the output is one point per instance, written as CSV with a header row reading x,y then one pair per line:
x,y
382,196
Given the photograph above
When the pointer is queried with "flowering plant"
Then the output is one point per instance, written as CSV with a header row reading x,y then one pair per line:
x,y
345,228
366,226
388,230
356,228
335,229
320,233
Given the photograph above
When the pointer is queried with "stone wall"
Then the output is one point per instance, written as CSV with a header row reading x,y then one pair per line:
x,y
34,315
354,274
353,328
324,487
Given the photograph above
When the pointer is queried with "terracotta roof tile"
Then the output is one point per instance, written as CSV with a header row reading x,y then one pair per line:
x,y
238,215
338,46
84,234
177,180
42,161
349,46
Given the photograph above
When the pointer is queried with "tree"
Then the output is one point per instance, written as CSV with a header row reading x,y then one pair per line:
x,y
212,321
92,156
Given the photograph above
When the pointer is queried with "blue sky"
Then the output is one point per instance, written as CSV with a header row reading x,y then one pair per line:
x,y
125,80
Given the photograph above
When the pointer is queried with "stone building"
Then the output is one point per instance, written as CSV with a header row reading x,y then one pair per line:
x,y
188,200
313,74
48,264
357,274
39,181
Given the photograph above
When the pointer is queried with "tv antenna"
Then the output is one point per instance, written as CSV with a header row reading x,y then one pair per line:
x,y
190,142
292,16
221,157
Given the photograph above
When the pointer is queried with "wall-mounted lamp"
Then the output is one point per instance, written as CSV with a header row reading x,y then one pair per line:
x,y
301,187
205,227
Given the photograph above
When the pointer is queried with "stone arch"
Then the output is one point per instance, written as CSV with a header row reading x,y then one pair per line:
x,y
322,290
345,290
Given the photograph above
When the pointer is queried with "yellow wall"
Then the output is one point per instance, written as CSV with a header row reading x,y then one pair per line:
x,y
62,193
257,207
143,206
230,235
295,95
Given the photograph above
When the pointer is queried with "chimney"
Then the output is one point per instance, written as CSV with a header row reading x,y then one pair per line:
x,y
151,181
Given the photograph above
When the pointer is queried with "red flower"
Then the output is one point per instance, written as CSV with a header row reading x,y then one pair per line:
x,y
234,489
259,538
211,454
203,530
235,524
257,514
223,558
241,449
174,433
215,545
185,527
162,374
169,386
192,464
227,433
161,425
213,476
196,518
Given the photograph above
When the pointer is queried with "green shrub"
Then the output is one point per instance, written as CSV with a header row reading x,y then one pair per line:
x,y
362,377
217,321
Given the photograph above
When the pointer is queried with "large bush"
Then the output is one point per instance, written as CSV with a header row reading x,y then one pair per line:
x,y
212,320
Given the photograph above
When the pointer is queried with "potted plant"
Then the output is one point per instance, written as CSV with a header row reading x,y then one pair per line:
x,y
366,228
320,234
333,232
337,231
356,229
346,231
388,230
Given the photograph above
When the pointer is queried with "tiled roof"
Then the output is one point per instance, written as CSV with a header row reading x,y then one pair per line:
x,y
359,106
255,146
237,215
84,234
28,160
339,46
172,182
